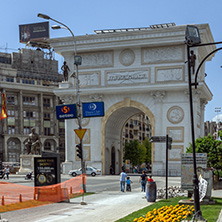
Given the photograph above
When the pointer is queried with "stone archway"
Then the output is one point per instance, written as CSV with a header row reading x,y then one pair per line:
x,y
112,125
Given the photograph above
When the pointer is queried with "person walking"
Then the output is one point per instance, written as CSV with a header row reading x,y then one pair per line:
x,y
143,179
128,184
123,176
7,171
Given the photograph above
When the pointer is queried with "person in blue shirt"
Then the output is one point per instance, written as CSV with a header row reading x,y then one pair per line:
x,y
143,179
123,176
128,184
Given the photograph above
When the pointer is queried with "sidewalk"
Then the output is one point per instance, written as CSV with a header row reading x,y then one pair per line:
x,y
107,206
101,207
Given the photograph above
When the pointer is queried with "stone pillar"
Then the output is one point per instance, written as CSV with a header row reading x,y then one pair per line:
x,y
41,114
203,104
20,101
70,125
159,154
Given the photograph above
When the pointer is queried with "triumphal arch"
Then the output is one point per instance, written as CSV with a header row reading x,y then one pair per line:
x,y
133,71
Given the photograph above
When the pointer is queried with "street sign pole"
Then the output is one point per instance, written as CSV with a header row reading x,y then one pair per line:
x,y
166,166
80,133
168,141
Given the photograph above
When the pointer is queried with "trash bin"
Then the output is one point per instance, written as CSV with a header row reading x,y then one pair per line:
x,y
151,191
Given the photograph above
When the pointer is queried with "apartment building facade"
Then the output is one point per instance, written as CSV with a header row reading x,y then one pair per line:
x,y
28,78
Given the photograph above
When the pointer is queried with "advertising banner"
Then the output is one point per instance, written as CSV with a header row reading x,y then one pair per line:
x,y
67,111
93,109
45,171
35,31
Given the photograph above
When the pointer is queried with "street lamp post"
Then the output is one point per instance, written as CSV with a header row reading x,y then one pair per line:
x,y
77,62
193,40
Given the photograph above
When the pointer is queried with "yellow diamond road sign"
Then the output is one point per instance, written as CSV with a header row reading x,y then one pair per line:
x,y
80,133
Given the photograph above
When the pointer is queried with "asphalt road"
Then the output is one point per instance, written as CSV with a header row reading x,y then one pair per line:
x,y
102,183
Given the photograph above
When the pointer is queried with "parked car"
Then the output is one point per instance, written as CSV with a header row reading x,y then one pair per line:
x,y
89,171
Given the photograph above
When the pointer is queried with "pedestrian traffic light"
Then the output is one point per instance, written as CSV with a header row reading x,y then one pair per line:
x,y
79,150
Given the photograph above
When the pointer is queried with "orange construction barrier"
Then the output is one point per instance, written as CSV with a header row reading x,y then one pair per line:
x,y
12,193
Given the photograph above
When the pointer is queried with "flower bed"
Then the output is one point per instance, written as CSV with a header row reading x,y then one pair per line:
x,y
167,214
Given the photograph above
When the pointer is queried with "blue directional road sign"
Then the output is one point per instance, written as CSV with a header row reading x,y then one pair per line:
x,y
93,109
67,111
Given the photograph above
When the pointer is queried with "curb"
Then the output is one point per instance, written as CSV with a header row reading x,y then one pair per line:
x,y
220,217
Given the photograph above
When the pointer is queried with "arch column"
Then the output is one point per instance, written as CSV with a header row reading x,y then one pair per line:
x,y
159,149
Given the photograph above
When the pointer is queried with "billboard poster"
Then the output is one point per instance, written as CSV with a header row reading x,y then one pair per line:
x,y
187,168
34,31
45,171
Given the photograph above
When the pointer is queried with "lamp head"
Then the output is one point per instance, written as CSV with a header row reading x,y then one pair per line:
x,y
56,27
192,35
40,15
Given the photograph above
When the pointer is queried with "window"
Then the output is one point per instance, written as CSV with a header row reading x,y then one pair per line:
x,y
46,102
61,131
28,81
9,79
29,100
10,100
46,131
29,114
13,151
11,129
47,146
5,60
27,130
46,116
11,121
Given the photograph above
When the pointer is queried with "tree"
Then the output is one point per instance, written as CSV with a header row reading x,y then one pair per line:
x,y
134,152
212,147
148,147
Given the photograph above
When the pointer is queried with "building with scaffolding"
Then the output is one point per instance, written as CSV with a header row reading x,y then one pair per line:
x,y
28,78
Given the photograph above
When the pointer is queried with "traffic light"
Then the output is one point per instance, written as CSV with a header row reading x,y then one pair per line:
x,y
79,150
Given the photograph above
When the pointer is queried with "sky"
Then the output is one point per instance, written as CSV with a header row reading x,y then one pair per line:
x,y
85,16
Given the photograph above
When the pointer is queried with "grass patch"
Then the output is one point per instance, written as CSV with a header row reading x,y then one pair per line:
x,y
209,212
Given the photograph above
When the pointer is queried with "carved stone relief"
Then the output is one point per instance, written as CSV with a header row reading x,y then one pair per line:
x,y
169,74
127,77
158,96
96,97
68,99
162,54
175,153
175,114
85,121
127,57
91,79
177,134
203,103
97,59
